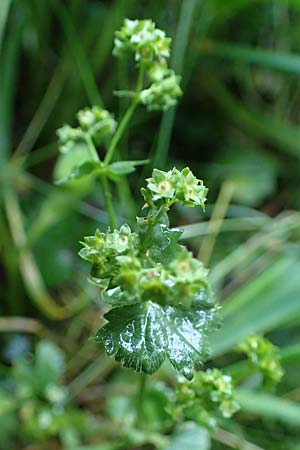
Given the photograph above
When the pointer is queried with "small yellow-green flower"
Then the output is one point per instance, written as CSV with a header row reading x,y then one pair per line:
x,y
191,192
161,184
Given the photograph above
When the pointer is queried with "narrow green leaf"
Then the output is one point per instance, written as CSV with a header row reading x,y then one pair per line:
x,y
82,62
269,406
260,305
274,130
187,14
119,168
5,5
270,59
84,169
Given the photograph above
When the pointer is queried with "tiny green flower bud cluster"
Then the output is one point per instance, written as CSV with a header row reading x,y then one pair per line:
x,y
126,275
263,355
208,396
103,250
162,94
142,38
95,121
128,272
67,137
151,49
173,186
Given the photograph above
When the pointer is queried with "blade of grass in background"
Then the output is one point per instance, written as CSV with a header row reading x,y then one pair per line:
x,y
279,229
5,5
270,59
261,125
78,52
30,272
260,305
179,49
44,110
268,406
8,82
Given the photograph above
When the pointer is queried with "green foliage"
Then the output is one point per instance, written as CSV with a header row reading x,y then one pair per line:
x,y
33,403
237,126
162,304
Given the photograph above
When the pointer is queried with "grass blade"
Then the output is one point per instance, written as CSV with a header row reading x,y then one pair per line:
x,y
179,49
5,5
274,60
269,406
79,55
261,125
261,305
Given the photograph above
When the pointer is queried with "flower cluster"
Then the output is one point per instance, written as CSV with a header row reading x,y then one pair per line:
x,y
130,273
126,276
142,38
163,93
95,121
208,395
104,249
173,186
264,356
151,49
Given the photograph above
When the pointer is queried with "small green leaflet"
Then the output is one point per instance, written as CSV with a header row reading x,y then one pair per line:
x,y
84,169
141,336
190,436
119,168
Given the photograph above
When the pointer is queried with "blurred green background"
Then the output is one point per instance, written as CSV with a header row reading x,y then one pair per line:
x,y
236,126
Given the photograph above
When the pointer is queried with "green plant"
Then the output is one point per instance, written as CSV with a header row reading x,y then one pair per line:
x,y
237,126
161,304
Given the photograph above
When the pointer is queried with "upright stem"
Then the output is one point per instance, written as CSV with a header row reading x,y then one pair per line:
x,y
104,183
126,118
108,202
141,400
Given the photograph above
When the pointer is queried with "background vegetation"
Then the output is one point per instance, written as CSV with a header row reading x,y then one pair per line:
x,y
237,127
